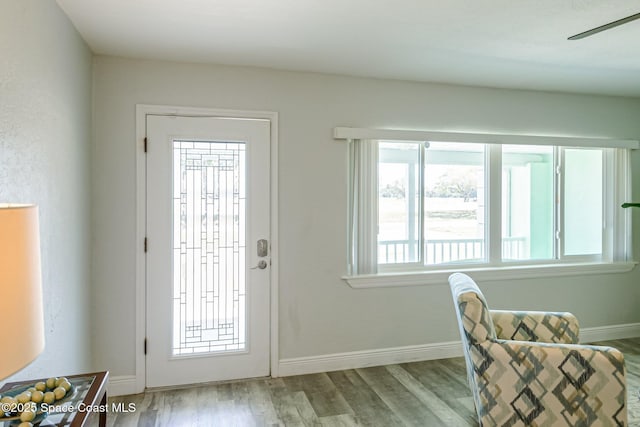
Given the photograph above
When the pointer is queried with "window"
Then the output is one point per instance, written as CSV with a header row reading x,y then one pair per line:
x,y
442,205
528,194
446,224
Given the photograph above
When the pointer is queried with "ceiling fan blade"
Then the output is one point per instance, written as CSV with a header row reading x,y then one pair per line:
x,y
605,27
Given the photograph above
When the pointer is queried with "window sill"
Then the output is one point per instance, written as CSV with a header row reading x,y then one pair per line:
x,y
421,278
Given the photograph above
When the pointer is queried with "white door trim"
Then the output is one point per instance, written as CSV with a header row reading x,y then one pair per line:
x,y
142,110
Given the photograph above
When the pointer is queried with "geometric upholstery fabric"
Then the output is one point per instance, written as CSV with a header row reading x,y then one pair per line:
x,y
536,326
516,381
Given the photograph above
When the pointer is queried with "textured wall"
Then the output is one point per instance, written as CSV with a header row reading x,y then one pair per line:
x,y
45,131
319,313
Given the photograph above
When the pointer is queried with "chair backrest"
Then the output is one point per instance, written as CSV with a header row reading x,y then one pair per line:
x,y
473,313
474,321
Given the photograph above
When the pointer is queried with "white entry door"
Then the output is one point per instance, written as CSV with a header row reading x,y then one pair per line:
x,y
207,270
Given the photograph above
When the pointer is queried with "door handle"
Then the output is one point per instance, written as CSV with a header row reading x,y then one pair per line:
x,y
262,264
263,251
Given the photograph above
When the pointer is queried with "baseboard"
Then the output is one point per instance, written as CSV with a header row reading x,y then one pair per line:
x,y
126,384
367,358
121,385
443,350
613,332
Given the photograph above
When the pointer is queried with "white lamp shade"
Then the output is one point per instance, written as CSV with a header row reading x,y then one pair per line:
x,y
21,314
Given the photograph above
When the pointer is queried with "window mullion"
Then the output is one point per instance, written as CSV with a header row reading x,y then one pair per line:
x,y
559,204
422,248
609,200
412,209
493,212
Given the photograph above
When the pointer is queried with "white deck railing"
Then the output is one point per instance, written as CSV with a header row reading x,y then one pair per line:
x,y
451,250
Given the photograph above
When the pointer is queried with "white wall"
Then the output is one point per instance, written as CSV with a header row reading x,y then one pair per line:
x,y
319,313
45,131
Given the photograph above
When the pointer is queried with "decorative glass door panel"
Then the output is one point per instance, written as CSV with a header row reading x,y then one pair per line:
x,y
209,245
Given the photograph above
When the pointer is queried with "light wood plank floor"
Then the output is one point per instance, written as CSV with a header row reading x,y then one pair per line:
x,y
431,393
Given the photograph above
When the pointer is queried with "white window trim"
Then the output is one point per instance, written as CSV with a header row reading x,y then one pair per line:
x,y
348,133
565,268
439,277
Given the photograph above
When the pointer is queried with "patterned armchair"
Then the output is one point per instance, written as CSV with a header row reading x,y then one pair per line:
x,y
527,368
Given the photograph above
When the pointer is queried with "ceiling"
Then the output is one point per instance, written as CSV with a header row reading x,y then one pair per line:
x,y
495,43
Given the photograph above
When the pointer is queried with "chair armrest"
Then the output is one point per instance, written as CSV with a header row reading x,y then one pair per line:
x,y
553,384
536,326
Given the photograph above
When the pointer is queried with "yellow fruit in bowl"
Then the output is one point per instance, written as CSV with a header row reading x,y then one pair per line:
x,y
24,397
25,424
61,380
49,397
37,396
9,401
66,385
51,382
31,389
41,386
59,393
28,415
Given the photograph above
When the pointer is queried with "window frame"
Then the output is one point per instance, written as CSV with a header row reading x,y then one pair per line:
x,y
615,257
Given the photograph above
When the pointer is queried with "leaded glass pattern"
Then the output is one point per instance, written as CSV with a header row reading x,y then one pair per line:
x,y
209,202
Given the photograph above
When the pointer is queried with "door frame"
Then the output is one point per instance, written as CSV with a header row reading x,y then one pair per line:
x,y
142,110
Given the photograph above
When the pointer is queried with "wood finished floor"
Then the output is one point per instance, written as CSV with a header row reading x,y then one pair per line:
x,y
430,393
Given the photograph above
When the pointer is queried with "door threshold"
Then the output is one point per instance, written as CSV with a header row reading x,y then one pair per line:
x,y
205,384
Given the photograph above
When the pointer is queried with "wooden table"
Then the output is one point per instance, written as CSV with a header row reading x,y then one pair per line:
x,y
90,397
